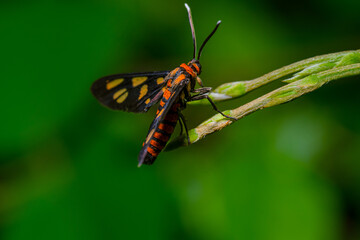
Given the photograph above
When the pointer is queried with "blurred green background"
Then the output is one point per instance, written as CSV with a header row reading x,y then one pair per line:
x,y
68,165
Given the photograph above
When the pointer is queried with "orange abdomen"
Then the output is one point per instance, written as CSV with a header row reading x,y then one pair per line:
x,y
162,134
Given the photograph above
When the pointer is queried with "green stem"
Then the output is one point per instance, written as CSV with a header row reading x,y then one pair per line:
x,y
299,70
298,86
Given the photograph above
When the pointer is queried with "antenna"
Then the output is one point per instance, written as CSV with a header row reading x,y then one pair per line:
x,y
192,28
207,39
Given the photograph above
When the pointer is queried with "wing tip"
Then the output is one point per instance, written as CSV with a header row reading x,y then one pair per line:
x,y
142,156
145,158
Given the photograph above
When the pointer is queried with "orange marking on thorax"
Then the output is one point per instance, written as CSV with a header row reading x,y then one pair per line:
x,y
162,103
179,79
173,72
167,94
188,69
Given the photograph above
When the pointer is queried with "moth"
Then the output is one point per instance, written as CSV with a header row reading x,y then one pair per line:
x,y
137,92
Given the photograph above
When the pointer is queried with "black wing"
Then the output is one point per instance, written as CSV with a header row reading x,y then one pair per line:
x,y
144,156
132,92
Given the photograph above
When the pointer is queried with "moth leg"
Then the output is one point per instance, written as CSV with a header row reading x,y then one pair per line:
x,y
182,119
199,96
181,126
202,90
199,81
